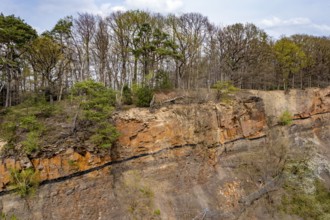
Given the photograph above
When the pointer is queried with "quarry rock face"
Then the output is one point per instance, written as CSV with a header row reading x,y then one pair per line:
x,y
300,103
206,160
209,124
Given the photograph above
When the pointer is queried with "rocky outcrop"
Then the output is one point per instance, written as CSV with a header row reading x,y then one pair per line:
x,y
301,103
209,124
179,161
51,168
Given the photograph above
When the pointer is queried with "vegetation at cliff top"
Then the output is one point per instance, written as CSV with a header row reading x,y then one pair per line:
x,y
224,90
97,102
38,125
25,124
152,51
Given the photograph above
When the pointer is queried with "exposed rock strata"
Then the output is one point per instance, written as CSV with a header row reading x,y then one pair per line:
x,y
207,124
187,161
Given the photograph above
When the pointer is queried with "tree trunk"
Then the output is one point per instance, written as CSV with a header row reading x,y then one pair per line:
x,y
146,70
61,92
135,70
123,74
1,88
293,81
87,62
8,89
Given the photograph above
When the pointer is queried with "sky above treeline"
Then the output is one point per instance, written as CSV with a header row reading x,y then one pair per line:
x,y
276,17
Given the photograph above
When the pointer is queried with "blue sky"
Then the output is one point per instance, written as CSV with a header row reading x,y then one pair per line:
x,y
276,17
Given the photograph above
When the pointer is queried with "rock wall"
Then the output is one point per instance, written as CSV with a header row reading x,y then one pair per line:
x,y
175,162
208,124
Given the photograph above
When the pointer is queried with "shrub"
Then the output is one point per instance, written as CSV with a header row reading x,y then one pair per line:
x,y
31,143
95,115
46,109
157,212
29,123
96,100
224,89
285,118
105,135
163,81
8,130
4,216
127,95
94,92
25,181
37,105
97,103
315,205
147,192
11,131
73,164
144,96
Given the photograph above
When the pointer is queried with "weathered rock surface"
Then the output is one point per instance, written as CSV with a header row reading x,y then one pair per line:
x,y
180,162
300,103
208,124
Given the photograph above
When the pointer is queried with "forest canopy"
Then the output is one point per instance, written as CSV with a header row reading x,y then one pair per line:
x,y
139,48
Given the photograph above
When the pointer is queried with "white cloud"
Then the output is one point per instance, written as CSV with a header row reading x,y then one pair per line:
x,y
73,6
55,6
299,25
156,5
105,9
322,27
118,8
275,22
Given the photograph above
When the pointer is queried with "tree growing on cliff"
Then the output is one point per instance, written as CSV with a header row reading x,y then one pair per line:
x,y
25,181
96,103
224,90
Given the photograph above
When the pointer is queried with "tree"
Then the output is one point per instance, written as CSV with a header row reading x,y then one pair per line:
x,y
124,28
62,29
120,26
212,56
290,59
15,34
44,54
62,34
321,70
85,26
189,32
242,47
102,46
152,46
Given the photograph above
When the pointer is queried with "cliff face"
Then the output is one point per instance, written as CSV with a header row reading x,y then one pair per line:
x,y
209,160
